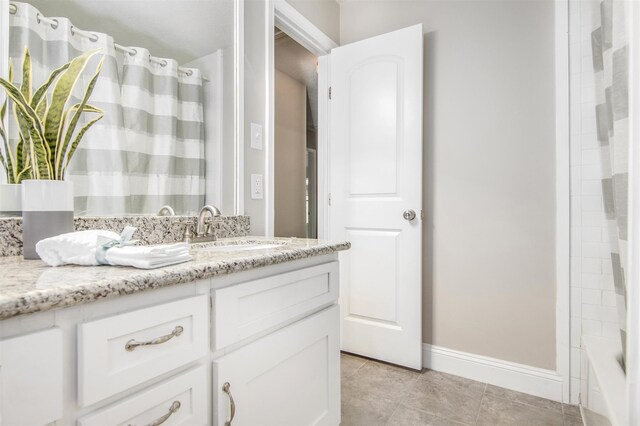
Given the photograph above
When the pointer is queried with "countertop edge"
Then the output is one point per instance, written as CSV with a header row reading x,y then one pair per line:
x,y
142,280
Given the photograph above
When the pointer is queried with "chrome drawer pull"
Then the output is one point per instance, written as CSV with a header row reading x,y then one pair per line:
x,y
174,407
227,389
132,344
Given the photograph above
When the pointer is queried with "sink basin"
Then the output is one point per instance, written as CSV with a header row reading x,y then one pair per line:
x,y
243,247
234,247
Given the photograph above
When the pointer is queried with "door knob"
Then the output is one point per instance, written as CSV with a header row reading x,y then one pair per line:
x,y
409,215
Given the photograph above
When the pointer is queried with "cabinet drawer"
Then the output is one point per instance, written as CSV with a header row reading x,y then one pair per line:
x,y
31,378
181,400
246,309
289,377
122,351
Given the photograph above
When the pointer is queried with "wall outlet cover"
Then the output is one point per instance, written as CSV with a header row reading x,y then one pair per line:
x,y
256,136
257,187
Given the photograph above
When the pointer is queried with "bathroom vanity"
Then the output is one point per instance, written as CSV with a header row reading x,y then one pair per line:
x,y
247,333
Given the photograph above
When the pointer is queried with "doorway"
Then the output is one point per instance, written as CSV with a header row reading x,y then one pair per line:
x,y
296,139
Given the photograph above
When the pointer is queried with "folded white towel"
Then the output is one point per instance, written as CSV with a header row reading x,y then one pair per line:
x,y
149,257
74,248
88,248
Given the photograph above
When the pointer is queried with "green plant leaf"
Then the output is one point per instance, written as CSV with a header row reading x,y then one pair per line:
x,y
6,168
25,85
21,103
63,145
22,160
39,151
76,141
41,93
21,156
31,130
7,159
62,89
23,174
41,108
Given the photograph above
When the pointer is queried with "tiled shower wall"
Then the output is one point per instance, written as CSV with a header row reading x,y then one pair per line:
x,y
593,303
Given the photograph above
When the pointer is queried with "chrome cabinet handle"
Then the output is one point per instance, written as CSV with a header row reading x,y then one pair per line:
x,y
132,344
409,215
227,389
174,407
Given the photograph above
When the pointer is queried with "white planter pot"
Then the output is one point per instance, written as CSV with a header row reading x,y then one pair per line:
x,y
10,199
47,211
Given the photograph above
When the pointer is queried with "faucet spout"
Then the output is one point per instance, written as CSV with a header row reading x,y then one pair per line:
x,y
166,211
201,228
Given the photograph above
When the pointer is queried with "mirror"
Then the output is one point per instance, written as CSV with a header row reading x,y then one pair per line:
x,y
166,88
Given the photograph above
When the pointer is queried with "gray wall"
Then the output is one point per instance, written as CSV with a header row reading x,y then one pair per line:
x,y
255,84
290,157
489,184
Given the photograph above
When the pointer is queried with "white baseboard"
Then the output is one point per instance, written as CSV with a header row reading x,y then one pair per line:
x,y
518,377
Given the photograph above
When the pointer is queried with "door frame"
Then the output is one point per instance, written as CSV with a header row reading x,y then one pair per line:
x,y
295,25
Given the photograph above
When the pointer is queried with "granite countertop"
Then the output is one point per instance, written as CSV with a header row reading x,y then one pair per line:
x,y
29,286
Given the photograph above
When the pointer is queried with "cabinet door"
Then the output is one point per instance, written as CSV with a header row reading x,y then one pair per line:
x,y
290,377
31,378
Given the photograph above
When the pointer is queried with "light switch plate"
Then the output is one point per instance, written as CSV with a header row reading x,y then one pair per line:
x,y
257,187
256,136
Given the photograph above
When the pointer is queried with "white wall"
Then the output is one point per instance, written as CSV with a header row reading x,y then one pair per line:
x,y
593,302
325,14
489,170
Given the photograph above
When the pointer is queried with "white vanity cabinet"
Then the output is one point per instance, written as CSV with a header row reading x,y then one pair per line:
x,y
163,356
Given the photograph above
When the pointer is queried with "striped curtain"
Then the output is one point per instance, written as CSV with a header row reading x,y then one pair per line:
x,y
138,157
610,44
163,118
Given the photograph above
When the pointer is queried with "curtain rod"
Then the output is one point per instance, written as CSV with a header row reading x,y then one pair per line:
x,y
94,37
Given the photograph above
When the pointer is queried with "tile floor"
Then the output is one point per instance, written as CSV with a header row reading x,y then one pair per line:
x,y
375,393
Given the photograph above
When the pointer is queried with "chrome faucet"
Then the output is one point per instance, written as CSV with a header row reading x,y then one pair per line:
x,y
205,230
166,211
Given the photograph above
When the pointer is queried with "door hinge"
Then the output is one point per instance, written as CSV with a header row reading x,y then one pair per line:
x,y
329,198
329,92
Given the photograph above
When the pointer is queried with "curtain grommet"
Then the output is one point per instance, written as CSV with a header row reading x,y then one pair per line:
x,y
132,52
55,23
13,8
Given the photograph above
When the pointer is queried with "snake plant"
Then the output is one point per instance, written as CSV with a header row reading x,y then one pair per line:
x,y
46,123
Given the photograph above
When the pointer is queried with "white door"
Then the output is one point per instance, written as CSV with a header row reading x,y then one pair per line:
x,y
290,377
376,193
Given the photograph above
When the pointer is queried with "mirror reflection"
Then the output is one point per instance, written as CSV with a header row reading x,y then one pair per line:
x,y
164,91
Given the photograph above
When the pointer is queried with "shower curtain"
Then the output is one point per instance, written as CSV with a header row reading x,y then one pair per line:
x,y
148,150
611,64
